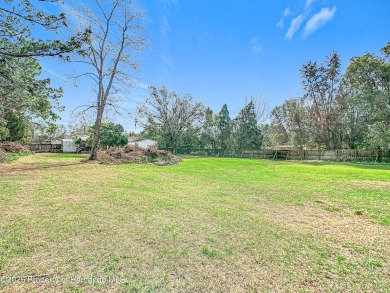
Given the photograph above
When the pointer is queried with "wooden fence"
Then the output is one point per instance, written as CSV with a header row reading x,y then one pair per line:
x,y
45,148
330,155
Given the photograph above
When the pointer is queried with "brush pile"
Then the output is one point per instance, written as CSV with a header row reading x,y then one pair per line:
x,y
136,154
13,147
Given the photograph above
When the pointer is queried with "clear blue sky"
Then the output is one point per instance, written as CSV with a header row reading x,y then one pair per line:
x,y
220,51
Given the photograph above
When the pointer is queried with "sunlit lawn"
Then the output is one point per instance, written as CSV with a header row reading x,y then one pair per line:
x,y
207,224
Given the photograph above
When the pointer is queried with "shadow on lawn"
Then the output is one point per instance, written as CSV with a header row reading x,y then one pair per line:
x,y
36,167
372,166
369,166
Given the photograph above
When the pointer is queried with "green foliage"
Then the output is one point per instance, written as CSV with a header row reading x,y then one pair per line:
x,y
25,100
212,253
338,111
246,131
17,21
378,136
173,119
209,135
110,135
224,126
320,83
14,156
367,87
18,127
287,123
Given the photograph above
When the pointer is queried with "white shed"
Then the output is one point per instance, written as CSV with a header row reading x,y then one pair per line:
x,y
143,143
68,145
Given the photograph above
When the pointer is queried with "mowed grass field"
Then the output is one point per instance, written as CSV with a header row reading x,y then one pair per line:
x,y
205,225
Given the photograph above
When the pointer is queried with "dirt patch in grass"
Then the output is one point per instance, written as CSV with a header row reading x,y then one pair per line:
x,y
338,226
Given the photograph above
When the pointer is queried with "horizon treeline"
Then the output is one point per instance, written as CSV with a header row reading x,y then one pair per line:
x,y
337,111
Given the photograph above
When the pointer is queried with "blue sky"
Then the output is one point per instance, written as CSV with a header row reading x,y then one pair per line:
x,y
222,51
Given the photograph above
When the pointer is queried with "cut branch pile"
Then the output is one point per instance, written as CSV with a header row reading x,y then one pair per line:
x,y
136,154
13,147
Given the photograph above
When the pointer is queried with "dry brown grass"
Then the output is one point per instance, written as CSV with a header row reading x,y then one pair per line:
x,y
339,226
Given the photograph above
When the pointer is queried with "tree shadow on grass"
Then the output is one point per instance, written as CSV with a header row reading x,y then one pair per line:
x,y
369,166
36,166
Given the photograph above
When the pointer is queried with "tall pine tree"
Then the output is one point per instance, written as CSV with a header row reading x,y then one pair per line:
x,y
224,126
247,132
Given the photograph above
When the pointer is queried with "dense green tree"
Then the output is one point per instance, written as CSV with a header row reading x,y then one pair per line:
x,y
224,126
247,132
23,96
209,135
287,124
366,93
112,135
18,128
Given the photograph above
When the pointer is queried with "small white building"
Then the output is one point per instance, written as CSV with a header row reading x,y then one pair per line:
x,y
68,145
143,143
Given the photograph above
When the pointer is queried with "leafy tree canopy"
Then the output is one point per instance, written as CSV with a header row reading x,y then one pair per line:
x,y
110,135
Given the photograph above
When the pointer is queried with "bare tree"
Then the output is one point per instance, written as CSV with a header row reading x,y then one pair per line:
x,y
261,107
116,35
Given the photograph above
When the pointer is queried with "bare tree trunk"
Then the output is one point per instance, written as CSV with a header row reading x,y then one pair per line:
x,y
116,34
96,136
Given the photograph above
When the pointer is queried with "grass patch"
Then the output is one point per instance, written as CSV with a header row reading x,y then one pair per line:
x,y
333,209
374,264
15,156
358,212
207,224
210,252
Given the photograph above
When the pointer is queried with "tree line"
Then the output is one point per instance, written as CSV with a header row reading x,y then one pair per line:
x,y
176,121
350,110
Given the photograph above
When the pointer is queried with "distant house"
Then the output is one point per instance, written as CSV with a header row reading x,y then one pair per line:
x,y
142,143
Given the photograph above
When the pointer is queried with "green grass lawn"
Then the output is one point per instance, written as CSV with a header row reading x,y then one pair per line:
x,y
205,225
